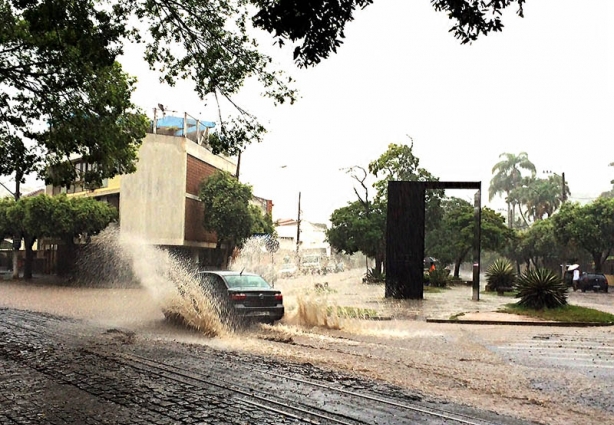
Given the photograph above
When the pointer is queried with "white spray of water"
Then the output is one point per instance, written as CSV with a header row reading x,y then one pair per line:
x,y
170,280
254,258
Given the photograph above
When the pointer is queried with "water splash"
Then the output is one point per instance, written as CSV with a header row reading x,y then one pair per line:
x,y
169,279
253,257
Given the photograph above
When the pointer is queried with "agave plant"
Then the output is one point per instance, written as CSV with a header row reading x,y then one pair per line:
x,y
500,275
541,288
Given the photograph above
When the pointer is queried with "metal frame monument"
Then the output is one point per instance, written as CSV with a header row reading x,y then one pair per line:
x,y
405,236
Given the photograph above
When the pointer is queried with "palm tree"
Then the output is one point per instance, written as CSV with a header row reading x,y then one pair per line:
x,y
507,177
540,197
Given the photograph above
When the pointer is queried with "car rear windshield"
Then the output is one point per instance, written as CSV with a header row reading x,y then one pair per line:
x,y
244,281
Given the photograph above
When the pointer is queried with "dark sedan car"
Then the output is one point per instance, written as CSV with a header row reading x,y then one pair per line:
x,y
593,281
244,295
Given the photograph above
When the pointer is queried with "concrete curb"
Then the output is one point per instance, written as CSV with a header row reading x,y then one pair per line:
x,y
521,323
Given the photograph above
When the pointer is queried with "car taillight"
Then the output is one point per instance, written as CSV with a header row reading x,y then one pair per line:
x,y
238,297
279,297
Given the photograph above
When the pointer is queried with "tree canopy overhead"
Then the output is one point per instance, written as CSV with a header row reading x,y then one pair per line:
x,y
317,27
63,92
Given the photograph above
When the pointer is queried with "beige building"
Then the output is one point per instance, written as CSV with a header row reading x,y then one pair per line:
x,y
159,202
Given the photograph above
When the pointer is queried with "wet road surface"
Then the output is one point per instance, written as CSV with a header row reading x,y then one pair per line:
x,y
58,371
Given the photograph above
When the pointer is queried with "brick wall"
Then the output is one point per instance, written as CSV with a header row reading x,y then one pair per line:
x,y
194,230
197,170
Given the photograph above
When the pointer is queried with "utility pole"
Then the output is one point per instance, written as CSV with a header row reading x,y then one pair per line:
x,y
298,224
238,165
16,236
563,186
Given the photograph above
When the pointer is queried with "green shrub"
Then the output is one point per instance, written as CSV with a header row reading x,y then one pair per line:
x,y
500,275
541,288
439,278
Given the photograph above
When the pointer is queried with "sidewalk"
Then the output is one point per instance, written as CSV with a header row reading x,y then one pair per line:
x,y
455,306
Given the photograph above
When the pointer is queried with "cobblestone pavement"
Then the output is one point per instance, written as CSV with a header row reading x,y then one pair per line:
x,y
62,371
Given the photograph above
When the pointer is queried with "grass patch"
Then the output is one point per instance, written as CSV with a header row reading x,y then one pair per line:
x,y
432,289
456,316
510,294
568,313
323,289
352,312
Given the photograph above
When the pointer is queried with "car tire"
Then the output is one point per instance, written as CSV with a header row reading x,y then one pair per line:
x,y
605,290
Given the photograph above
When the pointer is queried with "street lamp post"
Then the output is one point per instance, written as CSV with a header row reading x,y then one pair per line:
x,y
563,199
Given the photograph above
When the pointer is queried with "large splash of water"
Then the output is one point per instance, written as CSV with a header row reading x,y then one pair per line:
x,y
169,279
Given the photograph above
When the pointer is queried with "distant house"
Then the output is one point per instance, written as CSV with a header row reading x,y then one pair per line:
x,y
265,205
312,238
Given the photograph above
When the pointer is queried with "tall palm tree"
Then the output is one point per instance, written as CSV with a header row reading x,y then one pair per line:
x,y
508,176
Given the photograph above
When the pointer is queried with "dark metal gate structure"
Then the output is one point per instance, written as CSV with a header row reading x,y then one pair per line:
x,y
405,236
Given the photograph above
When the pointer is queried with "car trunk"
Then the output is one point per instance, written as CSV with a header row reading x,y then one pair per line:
x,y
257,297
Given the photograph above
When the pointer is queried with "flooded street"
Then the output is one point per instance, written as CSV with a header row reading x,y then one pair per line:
x,y
547,375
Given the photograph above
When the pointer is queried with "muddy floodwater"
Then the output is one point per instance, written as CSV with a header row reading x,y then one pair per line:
x,y
548,375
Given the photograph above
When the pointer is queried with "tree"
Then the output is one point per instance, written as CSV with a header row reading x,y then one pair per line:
x,y
452,240
261,223
6,228
590,226
399,163
356,229
227,212
361,225
96,121
53,54
19,161
317,26
507,177
609,193
540,197
76,218
62,93
59,217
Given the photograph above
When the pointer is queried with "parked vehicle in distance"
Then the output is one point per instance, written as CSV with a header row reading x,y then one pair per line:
x,y
241,296
287,270
595,281
311,264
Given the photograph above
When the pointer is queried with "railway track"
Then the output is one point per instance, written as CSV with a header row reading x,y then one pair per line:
x,y
247,387
360,408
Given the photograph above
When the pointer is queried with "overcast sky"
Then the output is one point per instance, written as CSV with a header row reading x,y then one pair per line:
x,y
544,86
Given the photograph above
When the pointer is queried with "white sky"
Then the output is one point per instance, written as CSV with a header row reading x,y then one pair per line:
x,y
544,85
